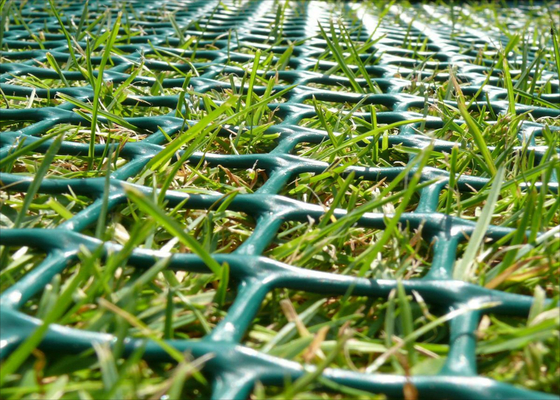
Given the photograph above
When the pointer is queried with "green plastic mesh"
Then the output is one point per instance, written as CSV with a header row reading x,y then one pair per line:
x,y
228,36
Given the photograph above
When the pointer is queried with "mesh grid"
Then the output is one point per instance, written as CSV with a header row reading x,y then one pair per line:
x,y
235,368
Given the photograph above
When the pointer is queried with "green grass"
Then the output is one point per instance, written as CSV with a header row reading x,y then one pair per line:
x,y
234,112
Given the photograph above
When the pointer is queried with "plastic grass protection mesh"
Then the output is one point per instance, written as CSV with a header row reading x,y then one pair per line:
x,y
185,62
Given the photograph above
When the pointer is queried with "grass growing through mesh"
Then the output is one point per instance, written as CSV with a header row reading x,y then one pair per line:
x,y
400,335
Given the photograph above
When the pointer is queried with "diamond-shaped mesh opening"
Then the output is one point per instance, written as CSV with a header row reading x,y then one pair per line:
x,y
276,332
345,250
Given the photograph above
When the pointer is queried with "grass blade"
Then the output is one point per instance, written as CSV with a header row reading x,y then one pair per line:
x,y
556,45
473,128
173,228
426,328
111,117
509,87
204,124
337,52
39,175
99,85
462,270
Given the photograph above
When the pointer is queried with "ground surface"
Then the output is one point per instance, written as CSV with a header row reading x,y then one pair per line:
x,y
301,200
